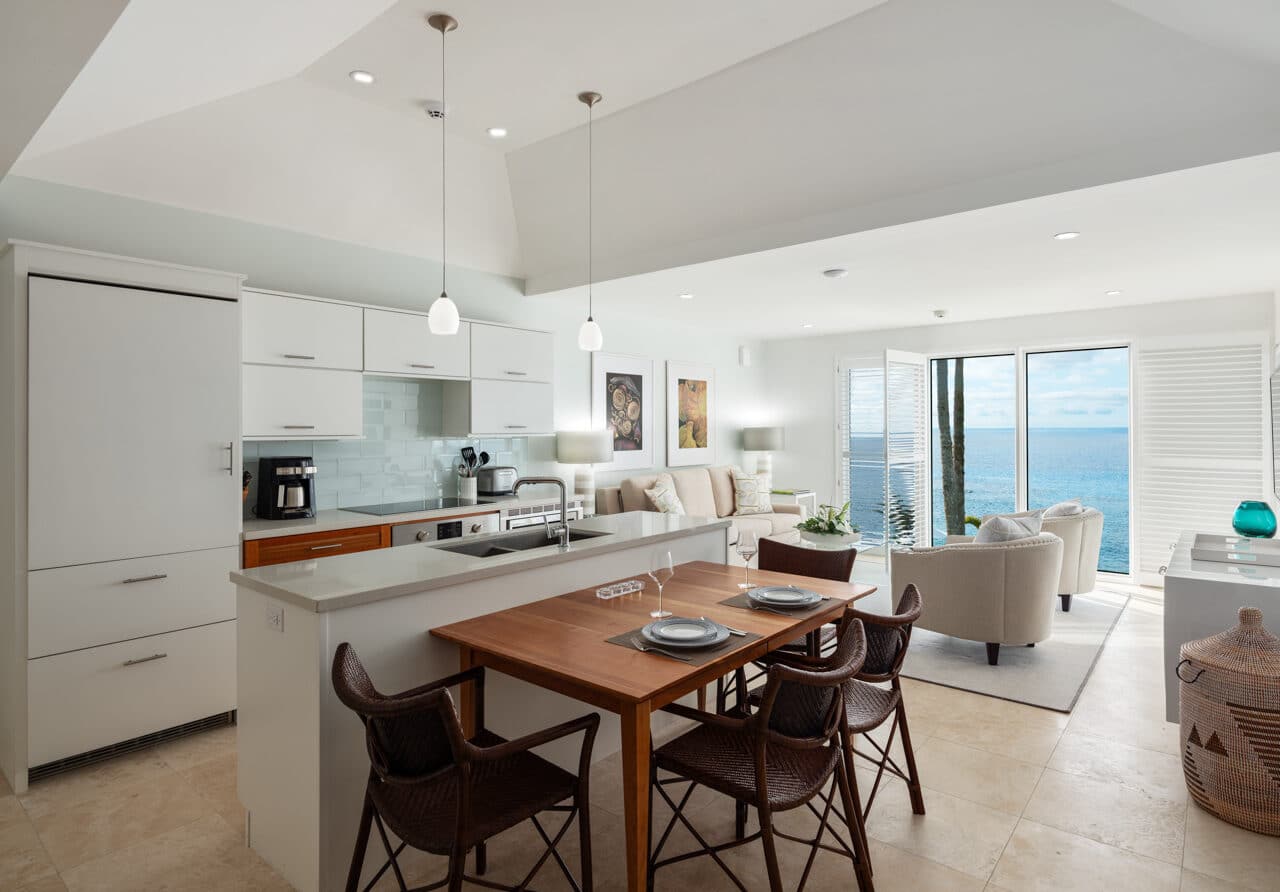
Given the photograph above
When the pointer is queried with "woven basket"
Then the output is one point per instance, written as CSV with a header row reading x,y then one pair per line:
x,y
1230,706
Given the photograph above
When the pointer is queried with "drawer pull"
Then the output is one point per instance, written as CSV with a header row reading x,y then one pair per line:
x,y
326,547
299,427
149,659
298,356
152,578
421,365
509,372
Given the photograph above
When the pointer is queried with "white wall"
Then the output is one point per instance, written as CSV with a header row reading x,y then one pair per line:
x,y
799,373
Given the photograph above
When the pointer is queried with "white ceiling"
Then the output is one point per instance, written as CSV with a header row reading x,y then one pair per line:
x,y
1211,231
521,65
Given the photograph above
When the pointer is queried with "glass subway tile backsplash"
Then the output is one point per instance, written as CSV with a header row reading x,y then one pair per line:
x,y
402,456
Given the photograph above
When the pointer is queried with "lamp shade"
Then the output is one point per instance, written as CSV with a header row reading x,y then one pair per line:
x,y
761,439
584,447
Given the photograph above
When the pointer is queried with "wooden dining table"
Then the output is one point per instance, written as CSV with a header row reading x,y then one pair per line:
x,y
561,644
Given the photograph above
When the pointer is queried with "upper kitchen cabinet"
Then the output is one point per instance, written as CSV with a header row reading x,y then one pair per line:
x,y
402,344
511,354
301,404
285,330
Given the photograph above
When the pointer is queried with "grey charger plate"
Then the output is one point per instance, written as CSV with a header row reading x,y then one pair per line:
x,y
684,633
784,597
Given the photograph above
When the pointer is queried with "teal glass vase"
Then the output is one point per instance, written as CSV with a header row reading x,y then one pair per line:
x,y
1255,520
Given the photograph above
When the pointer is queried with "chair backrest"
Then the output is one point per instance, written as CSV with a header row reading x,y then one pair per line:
x,y
801,708
408,735
889,636
820,563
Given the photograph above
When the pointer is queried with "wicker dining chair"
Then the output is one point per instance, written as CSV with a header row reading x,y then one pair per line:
x,y
446,794
782,755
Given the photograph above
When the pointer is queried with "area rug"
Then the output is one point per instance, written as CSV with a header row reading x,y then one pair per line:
x,y
1050,675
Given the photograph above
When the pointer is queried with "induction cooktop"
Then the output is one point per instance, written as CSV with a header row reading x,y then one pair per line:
x,y
416,506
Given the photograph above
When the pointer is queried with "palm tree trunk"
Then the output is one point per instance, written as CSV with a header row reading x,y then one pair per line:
x,y
952,491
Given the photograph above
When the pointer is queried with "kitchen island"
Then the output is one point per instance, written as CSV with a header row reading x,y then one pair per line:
x,y
302,758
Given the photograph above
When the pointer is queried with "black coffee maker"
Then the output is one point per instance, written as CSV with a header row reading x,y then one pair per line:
x,y
286,488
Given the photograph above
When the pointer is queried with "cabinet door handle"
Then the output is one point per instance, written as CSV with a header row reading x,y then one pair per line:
x,y
516,427
326,547
152,578
510,372
149,659
299,427
420,365
231,457
298,356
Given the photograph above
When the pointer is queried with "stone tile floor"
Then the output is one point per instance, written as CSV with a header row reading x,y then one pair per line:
x,y
1018,799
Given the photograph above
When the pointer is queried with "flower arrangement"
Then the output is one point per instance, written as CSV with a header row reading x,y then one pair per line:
x,y
829,521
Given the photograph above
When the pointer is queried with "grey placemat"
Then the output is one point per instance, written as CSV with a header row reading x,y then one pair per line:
x,y
696,657
743,602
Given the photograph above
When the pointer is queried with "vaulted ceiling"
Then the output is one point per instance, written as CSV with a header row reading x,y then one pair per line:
x,y
729,127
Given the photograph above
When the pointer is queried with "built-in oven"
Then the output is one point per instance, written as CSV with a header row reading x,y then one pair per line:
x,y
443,528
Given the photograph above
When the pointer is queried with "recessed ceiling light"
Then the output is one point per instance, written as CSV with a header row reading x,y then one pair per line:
x,y
806,325
1066,236
836,272
361,77
686,296
1114,293
497,132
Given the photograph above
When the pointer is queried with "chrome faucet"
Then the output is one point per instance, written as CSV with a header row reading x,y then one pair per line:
x,y
562,534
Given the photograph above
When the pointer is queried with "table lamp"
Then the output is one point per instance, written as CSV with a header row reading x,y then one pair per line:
x,y
584,449
765,441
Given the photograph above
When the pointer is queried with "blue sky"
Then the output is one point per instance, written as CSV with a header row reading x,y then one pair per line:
x,y
1083,388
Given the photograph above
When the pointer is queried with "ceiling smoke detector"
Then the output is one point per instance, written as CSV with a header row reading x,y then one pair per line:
x,y
435,109
939,314
836,272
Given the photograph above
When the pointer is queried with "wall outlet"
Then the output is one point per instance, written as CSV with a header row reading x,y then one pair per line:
x,y
275,619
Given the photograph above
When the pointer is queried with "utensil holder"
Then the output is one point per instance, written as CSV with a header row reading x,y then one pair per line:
x,y
467,488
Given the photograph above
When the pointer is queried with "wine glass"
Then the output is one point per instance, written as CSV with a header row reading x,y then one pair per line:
x,y
748,545
661,569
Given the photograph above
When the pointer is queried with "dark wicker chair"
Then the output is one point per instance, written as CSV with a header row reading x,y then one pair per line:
x,y
443,793
777,757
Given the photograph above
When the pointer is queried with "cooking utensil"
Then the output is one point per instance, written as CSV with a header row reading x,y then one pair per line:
x,y
469,456
638,643
484,459
464,471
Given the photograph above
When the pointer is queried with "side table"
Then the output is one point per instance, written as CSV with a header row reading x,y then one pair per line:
x,y
807,499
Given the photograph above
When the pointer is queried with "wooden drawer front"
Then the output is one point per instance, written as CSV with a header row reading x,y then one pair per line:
x,y
91,698
301,404
74,607
511,354
402,344
313,334
309,546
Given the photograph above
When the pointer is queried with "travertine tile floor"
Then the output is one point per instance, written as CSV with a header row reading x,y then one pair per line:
x,y
1018,799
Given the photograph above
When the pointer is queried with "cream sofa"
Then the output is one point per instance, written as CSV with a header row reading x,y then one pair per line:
x,y
705,492
1002,593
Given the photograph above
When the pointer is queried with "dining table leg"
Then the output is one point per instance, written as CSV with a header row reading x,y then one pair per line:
x,y
635,792
468,707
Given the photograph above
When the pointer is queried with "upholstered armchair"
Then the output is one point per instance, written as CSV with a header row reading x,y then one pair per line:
x,y
1000,593
1081,536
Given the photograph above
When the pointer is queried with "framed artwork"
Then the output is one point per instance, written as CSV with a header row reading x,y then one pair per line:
x,y
622,402
691,414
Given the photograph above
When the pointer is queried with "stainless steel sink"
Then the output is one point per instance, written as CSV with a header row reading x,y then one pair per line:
x,y
510,543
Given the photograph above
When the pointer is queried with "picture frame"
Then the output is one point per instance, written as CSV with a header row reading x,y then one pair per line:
x,y
626,379
691,413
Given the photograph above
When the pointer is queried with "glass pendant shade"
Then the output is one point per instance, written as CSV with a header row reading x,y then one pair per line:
x,y
590,337
442,318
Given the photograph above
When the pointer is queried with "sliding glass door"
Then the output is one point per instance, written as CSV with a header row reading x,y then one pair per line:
x,y
1078,439
974,420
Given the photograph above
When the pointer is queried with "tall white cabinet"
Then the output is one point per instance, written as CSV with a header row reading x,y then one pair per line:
x,y
122,387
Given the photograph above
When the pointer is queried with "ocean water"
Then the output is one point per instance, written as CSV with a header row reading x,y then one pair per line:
x,y
1091,464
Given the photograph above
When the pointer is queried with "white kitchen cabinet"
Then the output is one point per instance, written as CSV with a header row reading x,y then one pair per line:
x,y
284,403
511,354
91,698
133,423
498,408
402,344
296,331
70,608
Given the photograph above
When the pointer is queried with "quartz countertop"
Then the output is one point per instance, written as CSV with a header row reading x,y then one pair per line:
x,y
333,583
340,519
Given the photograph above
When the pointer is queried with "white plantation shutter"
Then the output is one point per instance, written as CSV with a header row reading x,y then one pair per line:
x,y
1201,445
906,448
860,444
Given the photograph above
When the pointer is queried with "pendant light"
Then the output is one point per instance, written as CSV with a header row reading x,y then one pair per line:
x,y
442,318
590,338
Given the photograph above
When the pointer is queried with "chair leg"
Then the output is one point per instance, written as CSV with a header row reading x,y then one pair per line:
x,y
648,846
740,820
482,859
1066,603
993,654
856,826
913,785
362,845
457,868
854,797
584,839
770,848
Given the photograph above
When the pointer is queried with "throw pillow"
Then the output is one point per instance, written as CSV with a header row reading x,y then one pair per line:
x,y
1009,527
1069,508
663,496
750,495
